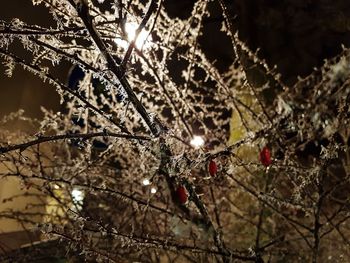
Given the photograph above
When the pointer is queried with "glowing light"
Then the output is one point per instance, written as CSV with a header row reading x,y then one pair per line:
x,y
153,190
77,195
197,141
146,182
56,186
141,41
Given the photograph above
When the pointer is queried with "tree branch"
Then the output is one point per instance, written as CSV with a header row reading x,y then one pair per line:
x,y
82,9
84,136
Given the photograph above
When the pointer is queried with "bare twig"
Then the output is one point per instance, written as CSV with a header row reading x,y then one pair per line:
x,y
84,136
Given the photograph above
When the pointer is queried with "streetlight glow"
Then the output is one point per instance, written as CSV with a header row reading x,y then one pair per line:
x,y
140,42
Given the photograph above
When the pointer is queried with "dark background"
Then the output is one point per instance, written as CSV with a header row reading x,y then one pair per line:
x,y
23,89
295,35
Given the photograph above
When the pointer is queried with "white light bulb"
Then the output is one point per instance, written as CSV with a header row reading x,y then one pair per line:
x,y
146,182
153,190
197,141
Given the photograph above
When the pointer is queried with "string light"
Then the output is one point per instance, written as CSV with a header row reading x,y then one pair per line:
x,y
197,141
153,190
146,182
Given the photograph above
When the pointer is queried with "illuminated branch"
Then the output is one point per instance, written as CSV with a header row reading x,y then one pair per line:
x,y
83,12
86,136
152,7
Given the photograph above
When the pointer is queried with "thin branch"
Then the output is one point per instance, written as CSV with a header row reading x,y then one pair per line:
x,y
82,9
318,210
84,136
63,87
151,8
